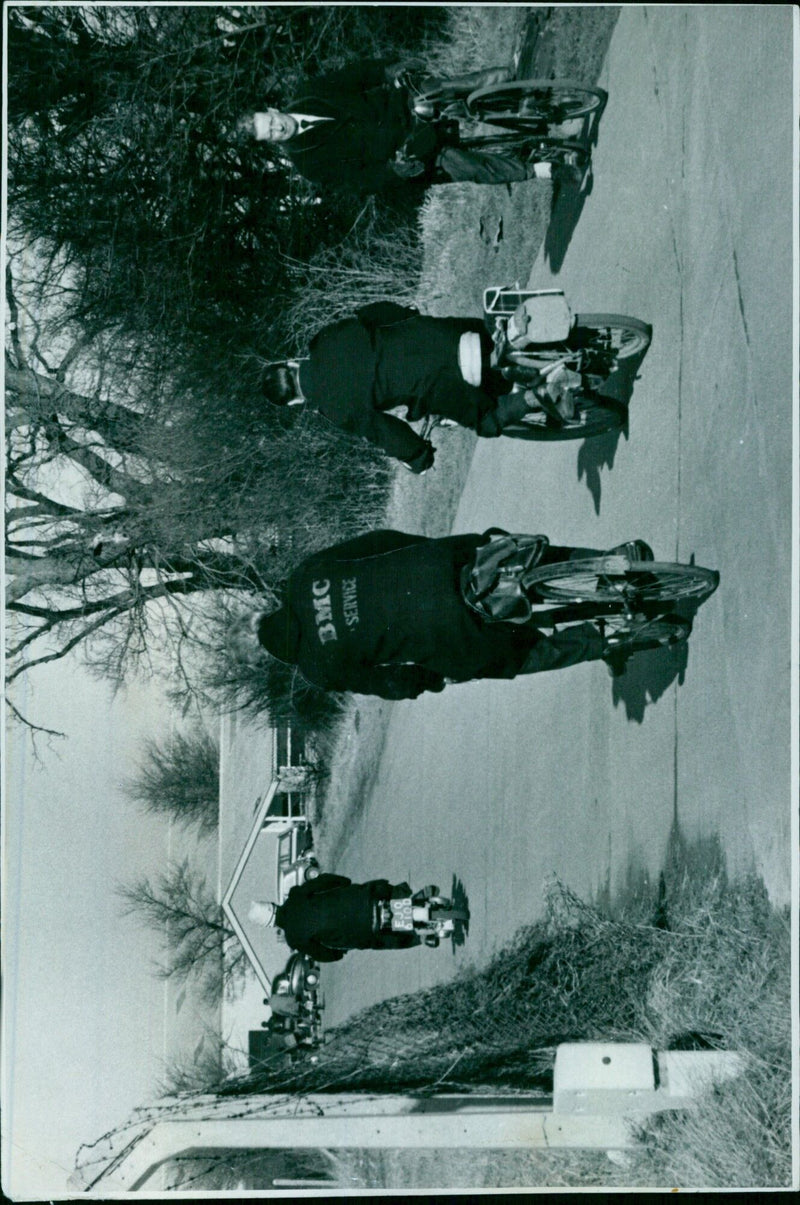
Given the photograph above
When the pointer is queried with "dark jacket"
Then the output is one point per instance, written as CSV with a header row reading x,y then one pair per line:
x,y
390,355
383,614
330,914
371,120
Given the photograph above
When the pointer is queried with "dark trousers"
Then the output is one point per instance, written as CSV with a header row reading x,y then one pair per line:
x,y
510,407
481,167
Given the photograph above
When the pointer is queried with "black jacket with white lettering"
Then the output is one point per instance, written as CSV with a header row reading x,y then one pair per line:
x,y
383,614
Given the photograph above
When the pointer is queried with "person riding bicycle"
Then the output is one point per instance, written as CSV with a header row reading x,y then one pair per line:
x,y
355,130
389,357
385,614
329,915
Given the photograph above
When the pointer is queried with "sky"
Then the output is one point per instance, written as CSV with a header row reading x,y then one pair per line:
x,y
83,1014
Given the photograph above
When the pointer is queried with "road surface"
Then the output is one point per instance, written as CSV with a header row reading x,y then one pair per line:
x,y
499,785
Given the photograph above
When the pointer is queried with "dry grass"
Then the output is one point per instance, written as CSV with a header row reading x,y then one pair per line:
x,y
572,43
475,37
717,973
476,236
379,259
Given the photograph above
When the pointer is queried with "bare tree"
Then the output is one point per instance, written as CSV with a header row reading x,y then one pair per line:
x,y
200,946
179,778
127,498
150,260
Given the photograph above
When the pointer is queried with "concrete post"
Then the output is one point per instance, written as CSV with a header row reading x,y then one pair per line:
x,y
369,1123
599,1088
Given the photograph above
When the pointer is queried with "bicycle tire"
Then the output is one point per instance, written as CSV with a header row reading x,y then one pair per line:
x,y
592,418
648,582
633,334
662,631
544,101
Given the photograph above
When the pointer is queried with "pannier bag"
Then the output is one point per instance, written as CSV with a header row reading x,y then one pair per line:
x,y
491,585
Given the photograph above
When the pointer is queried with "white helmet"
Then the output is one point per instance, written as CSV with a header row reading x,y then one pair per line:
x,y
262,912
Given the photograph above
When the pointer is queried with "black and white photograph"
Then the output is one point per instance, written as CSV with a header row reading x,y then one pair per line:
x,y
400,599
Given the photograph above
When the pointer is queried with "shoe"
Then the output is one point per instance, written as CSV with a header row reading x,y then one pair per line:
x,y
425,893
573,168
616,662
634,550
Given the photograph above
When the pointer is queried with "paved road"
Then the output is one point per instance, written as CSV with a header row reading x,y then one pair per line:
x,y
499,785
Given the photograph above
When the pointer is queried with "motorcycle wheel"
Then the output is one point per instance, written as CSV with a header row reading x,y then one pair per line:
x,y
454,914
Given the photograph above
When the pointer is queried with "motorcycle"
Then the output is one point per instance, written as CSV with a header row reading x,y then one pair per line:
x,y
431,915
561,359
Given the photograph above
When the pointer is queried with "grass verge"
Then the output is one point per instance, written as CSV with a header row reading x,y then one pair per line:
x,y
708,968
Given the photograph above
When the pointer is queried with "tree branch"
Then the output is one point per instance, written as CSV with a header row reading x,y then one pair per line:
x,y
62,652
13,311
30,724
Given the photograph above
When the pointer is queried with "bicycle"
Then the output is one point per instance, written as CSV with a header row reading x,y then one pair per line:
x,y
589,346
523,109
630,602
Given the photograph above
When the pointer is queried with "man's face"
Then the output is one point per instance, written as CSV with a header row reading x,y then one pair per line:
x,y
273,126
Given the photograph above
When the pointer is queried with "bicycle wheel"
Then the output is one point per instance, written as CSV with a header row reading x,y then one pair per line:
x,y
650,582
617,334
593,416
548,102
663,631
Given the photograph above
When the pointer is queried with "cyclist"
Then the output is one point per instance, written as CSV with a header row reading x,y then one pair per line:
x,y
384,614
354,130
390,357
329,915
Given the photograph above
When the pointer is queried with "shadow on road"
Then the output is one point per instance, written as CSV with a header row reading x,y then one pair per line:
x,y
565,211
569,198
647,677
638,896
648,674
599,453
460,900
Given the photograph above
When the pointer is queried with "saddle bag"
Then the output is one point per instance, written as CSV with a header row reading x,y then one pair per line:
x,y
491,584
543,317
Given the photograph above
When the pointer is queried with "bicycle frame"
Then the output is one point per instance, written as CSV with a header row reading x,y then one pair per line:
x,y
434,107
547,347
